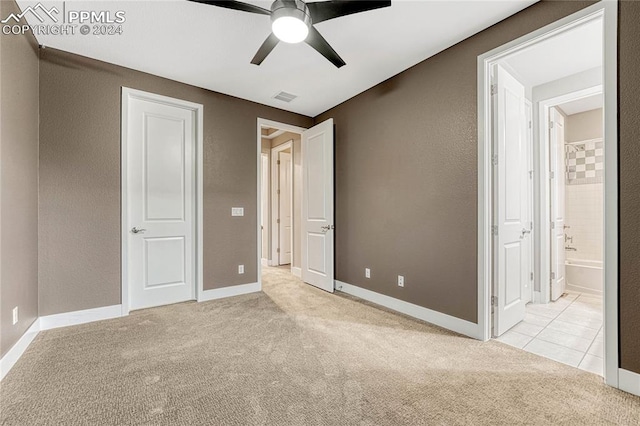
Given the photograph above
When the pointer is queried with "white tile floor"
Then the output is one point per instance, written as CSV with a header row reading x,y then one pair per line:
x,y
568,330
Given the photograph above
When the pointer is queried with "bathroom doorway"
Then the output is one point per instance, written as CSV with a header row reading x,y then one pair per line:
x,y
561,72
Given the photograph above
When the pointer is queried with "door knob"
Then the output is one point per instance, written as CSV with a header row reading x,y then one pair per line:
x,y
525,232
138,230
326,228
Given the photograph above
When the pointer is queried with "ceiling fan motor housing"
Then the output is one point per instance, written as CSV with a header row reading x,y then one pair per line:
x,y
291,8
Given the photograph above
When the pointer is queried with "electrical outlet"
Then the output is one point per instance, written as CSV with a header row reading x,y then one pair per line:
x,y
367,273
241,269
400,281
15,315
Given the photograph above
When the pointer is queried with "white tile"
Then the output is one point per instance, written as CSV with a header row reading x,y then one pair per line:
x,y
573,329
537,319
585,310
563,339
592,364
543,310
597,348
581,320
527,328
591,300
513,338
555,352
600,335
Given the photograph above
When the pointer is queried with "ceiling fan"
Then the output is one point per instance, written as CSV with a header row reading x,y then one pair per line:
x,y
292,21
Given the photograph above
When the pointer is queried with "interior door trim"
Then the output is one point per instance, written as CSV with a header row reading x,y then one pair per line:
x,y
127,95
263,122
607,11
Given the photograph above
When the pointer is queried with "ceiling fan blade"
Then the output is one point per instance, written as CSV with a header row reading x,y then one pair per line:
x,y
265,49
235,5
325,10
315,40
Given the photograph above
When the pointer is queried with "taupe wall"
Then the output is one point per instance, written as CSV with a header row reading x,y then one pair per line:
x,y
406,174
629,154
18,182
80,179
584,126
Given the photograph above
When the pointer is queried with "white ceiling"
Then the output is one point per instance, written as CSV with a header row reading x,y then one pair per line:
x,y
211,47
582,105
574,51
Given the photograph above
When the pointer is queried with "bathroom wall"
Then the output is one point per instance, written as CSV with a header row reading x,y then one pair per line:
x,y
584,195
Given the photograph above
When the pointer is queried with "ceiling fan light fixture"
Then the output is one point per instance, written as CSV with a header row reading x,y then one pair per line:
x,y
290,24
290,29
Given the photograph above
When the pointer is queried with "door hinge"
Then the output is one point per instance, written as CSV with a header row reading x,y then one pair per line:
x,y
277,220
531,225
494,89
494,229
530,174
551,124
278,162
494,301
530,124
553,275
278,250
552,175
278,192
532,276
494,159
553,225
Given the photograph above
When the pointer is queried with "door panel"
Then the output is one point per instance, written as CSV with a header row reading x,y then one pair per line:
x,y
557,160
317,206
527,291
161,203
264,210
285,207
510,201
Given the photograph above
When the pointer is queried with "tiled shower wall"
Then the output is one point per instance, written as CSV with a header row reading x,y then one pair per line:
x,y
584,199
584,211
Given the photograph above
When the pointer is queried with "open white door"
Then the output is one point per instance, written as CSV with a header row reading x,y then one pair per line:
x,y
317,206
557,161
161,213
511,228
527,291
285,200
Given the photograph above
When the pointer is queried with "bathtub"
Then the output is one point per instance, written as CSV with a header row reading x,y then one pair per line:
x,y
584,276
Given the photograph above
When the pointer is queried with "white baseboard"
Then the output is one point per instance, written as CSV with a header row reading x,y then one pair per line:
x,y
580,289
10,358
443,320
296,272
221,293
629,381
264,262
80,317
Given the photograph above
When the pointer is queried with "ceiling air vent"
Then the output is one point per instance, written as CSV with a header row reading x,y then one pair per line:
x,y
285,97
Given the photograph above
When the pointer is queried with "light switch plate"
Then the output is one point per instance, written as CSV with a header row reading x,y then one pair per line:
x,y
241,269
237,211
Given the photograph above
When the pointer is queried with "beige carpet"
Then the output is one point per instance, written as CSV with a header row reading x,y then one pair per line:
x,y
293,355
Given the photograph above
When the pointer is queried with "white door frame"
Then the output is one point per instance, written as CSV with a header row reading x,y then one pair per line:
x,y
542,172
262,122
275,207
606,10
128,95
